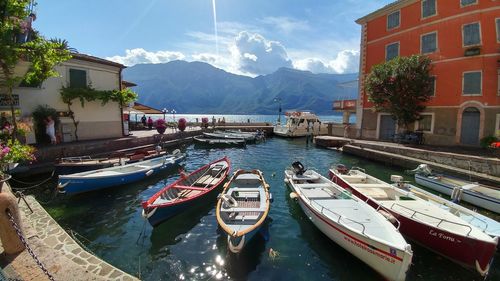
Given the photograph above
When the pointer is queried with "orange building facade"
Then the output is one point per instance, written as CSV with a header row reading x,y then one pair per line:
x,y
462,38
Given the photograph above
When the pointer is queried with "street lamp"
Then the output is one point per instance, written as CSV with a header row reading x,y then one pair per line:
x,y
165,111
173,113
279,109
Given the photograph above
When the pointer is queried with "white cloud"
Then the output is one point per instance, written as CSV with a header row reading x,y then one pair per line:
x,y
139,55
347,61
286,24
254,54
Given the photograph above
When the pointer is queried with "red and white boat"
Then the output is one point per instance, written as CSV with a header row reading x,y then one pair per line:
x,y
351,223
422,221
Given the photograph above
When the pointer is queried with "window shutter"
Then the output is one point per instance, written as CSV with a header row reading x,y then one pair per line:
x,y
428,8
467,2
392,51
471,34
77,78
429,43
393,20
472,83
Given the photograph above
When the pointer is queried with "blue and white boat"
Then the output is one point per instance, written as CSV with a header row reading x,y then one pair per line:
x,y
243,207
103,178
472,192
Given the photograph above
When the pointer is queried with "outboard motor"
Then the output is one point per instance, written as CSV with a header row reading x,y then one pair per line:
x,y
342,169
298,168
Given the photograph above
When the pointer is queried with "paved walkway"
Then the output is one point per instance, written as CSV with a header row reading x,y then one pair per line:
x,y
64,258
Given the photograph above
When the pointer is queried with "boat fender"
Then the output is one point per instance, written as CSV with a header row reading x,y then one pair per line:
x,y
456,194
175,152
149,213
388,216
61,186
229,201
271,199
149,173
237,248
294,195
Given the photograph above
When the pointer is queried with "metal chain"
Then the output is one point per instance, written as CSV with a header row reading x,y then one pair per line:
x,y
30,251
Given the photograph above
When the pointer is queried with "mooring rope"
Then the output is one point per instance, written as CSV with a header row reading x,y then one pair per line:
x,y
33,185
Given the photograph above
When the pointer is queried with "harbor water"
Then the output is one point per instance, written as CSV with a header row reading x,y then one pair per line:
x,y
190,246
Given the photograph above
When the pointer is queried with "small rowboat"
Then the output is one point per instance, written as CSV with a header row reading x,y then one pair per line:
x,y
219,142
486,224
186,192
423,222
229,136
474,193
351,223
242,207
103,178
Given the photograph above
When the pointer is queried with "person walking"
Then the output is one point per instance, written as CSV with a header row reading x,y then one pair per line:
x,y
50,129
150,123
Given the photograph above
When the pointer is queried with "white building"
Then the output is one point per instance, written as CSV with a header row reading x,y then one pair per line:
x,y
96,121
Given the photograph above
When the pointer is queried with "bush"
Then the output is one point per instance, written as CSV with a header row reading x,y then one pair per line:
x,y
487,141
41,113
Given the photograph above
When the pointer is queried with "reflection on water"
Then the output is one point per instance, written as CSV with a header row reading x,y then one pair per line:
x,y
190,246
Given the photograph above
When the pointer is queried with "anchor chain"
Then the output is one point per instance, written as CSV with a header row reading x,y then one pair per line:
x,y
25,243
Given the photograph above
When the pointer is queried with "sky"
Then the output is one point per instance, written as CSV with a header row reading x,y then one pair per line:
x,y
254,37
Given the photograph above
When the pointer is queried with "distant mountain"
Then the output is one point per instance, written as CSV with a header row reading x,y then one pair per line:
x,y
197,87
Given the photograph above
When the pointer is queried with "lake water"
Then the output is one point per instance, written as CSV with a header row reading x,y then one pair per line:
x,y
190,246
236,118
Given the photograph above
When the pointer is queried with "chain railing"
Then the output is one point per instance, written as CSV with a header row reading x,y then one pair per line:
x,y
25,243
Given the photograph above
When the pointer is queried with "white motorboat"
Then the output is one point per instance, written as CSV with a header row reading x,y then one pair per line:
x,y
351,223
423,222
300,124
471,192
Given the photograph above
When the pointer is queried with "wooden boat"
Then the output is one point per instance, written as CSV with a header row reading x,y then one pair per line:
x,y
486,224
242,207
351,223
219,142
422,221
474,193
103,178
229,136
186,192
72,165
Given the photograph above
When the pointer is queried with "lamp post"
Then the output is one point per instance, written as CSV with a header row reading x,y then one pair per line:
x,y
279,109
173,113
165,111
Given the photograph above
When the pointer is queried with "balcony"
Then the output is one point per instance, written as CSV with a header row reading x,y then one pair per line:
x,y
345,105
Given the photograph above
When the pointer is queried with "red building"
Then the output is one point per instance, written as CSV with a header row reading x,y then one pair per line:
x,y
462,37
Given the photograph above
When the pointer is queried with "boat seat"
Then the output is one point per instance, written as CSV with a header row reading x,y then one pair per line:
x,y
376,193
205,180
247,180
354,178
370,185
243,217
316,193
313,185
296,177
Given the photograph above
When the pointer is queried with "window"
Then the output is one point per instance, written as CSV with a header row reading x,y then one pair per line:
x,y
471,34
425,123
464,3
433,86
77,78
391,51
498,30
428,43
393,20
472,83
428,8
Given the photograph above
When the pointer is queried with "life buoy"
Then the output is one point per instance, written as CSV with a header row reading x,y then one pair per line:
x,y
229,201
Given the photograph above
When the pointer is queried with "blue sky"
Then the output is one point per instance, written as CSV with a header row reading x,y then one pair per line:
x,y
254,36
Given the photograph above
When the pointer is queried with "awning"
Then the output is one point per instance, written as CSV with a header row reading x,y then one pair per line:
x,y
140,108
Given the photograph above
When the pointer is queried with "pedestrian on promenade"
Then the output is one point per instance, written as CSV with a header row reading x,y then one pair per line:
x,y
143,120
50,129
150,123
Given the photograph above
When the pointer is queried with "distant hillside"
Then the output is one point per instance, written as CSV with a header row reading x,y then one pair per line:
x,y
197,87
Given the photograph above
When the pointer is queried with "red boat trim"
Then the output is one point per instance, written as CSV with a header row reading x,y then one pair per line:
x,y
350,236
149,203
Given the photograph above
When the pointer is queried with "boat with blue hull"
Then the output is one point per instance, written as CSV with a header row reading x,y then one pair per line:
x,y
108,177
188,191
243,207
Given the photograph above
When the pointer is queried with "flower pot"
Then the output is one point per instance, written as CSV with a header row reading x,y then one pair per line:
x,y
161,130
3,182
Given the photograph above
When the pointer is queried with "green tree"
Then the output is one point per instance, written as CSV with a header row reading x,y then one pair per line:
x,y
41,53
401,87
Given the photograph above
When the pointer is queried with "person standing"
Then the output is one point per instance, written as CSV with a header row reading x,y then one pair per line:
x,y
50,129
143,120
150,123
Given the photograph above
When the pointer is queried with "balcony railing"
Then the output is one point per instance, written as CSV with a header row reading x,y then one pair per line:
x,y
344,105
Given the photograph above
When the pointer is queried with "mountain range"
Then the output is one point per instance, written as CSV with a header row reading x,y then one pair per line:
x,y
198,87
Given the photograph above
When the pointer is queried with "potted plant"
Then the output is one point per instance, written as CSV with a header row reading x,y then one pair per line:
x,y
160,126
11,154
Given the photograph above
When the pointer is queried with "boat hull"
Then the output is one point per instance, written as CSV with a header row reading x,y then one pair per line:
x,y
65,169
468,252
475,198
387,261
72,186
238,243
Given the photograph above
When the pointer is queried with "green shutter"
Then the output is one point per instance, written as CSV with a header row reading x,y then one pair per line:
x,y
77,78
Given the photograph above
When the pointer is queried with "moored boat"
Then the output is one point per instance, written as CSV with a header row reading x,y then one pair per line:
x,y
300,124
421,221
186,192
486,224
471,192
229,136
351,223
219,142
108,177
243,207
